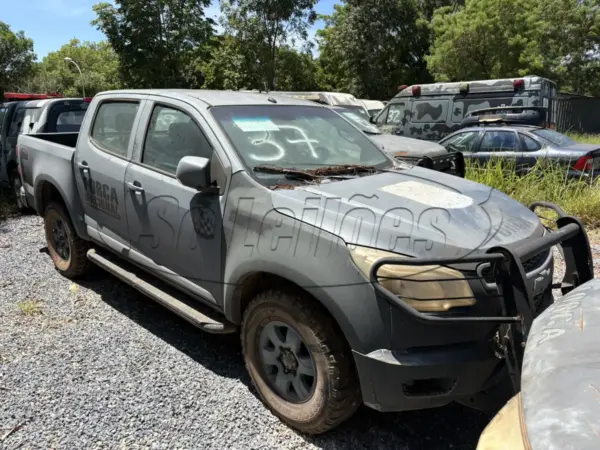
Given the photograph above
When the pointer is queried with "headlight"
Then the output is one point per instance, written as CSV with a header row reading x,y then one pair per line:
x,y
452,293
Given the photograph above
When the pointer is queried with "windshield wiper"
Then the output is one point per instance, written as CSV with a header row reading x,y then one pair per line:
x,y
321,172
289,173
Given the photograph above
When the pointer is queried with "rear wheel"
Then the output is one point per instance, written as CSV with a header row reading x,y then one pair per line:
x,y
299,363
68,251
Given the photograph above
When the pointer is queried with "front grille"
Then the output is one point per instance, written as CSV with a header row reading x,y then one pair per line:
x,y
536,261
529,265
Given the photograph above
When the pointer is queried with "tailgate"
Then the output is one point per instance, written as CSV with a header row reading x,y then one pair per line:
x,y
559,403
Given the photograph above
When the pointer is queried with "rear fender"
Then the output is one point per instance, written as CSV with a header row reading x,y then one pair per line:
x,y
70,198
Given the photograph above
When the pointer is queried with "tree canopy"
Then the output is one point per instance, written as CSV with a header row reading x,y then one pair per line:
x,y
16,58
365,47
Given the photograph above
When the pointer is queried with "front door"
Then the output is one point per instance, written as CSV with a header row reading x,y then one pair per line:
x,y
100,163
175,231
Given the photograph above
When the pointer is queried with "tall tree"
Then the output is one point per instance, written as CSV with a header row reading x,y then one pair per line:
x,y
98,63
369,47
486,39
160,43
263,26
16,58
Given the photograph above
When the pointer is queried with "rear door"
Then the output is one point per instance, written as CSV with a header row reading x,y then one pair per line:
x,y
103,154
504,144
175,231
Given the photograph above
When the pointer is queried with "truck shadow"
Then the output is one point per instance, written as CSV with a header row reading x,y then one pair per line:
x,y
453,426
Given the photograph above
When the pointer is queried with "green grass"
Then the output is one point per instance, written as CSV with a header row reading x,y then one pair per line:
x,y
580,198
30,307
585,138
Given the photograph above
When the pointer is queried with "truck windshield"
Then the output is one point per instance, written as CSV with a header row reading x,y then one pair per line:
x,y
300,137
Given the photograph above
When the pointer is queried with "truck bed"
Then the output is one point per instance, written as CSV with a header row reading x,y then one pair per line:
x,y
38,153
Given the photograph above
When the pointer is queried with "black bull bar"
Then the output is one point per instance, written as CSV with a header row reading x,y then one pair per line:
x,y
518,308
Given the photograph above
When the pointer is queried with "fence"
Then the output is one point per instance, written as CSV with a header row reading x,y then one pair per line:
x,y
579,114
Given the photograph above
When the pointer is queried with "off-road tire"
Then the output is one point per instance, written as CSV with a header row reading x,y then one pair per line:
x,y
77,264
336,395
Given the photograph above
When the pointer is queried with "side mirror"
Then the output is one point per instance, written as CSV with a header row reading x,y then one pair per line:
x,y
372,119
194,172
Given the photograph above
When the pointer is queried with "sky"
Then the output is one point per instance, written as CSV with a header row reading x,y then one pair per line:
x,y
52,23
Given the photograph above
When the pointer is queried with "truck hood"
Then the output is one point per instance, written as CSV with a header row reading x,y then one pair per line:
x,y
406,212
403,146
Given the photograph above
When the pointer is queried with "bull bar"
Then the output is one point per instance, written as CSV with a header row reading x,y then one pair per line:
x,y
516,297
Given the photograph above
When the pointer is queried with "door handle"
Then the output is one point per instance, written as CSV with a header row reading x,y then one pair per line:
x,y
135,187
83,166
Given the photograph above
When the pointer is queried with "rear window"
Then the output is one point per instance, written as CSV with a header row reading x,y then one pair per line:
x,y
554,137
69,121
66,117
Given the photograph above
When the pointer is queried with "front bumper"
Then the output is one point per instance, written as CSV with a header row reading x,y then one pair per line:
x,y
440,358
394,381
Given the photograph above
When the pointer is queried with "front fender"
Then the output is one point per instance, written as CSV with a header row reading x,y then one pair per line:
x,y
559,404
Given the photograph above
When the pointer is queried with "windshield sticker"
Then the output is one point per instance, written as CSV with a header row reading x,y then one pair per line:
x,y
253,124
428,195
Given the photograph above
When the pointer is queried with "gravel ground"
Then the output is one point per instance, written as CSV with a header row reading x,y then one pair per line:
x,y
96,365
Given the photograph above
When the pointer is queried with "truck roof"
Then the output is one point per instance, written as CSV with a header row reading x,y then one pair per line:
x,y
218,98
502,84
40,103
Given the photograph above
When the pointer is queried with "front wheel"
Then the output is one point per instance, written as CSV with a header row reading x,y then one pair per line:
x,y
68,251
299,362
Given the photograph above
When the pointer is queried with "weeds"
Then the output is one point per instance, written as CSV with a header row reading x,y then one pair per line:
x,y
545,182
30,307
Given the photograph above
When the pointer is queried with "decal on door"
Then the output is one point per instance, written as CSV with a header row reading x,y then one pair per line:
x,y
102,197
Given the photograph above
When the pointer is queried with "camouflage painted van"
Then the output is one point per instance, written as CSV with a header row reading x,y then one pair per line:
x,y
431,111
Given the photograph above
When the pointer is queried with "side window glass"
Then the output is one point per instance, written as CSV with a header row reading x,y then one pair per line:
x,y
463,142
173,134
530,145
381,118
396,114
2,114
113,126
15,126
499,141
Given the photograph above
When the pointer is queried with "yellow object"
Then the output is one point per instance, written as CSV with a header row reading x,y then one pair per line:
x,y
452,293
507,430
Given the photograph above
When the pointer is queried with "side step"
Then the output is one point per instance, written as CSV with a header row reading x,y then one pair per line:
x,y
207,320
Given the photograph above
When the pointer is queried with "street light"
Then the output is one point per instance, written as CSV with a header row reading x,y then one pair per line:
x,y
70,60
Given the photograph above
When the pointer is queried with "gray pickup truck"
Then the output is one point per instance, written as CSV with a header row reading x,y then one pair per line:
x,y
351,277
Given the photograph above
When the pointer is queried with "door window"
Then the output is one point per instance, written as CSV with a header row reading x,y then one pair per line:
x,y
529,144
499,141
463,142
113,126
395,114
15,126
173,134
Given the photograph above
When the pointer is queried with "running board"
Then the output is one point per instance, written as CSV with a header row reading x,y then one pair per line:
x,y
207,320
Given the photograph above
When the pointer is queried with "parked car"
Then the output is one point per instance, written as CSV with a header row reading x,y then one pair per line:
x,y
432,111
352,278
32,113
557,407
524,145
422,153
373,106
